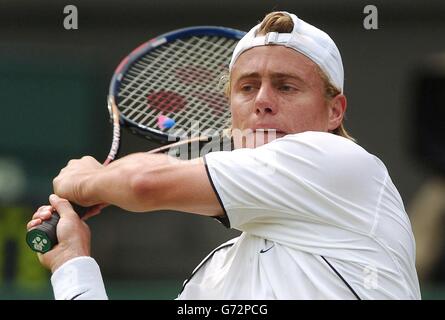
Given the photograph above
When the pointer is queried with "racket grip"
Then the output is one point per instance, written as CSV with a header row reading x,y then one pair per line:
x,y
44,237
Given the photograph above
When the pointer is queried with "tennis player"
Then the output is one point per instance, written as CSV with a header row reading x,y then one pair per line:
x,y
319,215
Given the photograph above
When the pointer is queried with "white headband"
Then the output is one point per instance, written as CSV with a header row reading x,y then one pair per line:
x,y
304,38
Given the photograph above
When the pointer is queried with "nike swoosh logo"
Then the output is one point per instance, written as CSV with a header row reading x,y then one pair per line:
x,y
78,295
265,250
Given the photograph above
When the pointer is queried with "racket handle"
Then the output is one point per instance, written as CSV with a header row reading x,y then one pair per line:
x,y
44,237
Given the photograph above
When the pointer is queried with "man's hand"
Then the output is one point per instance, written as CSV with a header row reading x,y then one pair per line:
x,y
70,183
73,233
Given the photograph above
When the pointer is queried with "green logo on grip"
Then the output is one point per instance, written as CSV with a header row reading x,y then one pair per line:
x,y
38,241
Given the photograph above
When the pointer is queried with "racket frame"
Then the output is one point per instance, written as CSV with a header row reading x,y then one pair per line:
x,y
139,129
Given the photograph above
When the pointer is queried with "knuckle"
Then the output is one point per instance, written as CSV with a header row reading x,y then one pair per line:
x,y
62,201
89,158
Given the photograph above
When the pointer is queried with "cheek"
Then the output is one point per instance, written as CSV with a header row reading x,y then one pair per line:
x,y
312,114
239,113
320,115
237,118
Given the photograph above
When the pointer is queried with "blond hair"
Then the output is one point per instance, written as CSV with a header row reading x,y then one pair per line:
x,y
282,23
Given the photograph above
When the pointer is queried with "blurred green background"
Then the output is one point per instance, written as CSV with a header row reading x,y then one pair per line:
x,y
53,88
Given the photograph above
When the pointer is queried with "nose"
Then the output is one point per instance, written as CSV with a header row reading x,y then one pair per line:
x,y
265,101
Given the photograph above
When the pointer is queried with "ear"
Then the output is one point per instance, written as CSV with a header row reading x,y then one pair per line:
x,y
337,109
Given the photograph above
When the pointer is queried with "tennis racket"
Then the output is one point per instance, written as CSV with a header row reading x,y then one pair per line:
x,y
167,90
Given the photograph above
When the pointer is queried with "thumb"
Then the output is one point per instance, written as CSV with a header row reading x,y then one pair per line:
x,y
62,206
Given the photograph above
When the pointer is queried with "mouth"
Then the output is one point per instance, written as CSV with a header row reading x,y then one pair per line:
x,y
256,136
277,132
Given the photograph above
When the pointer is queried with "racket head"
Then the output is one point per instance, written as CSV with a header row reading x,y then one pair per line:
x,y
177,76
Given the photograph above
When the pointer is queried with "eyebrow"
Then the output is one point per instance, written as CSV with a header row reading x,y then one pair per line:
x,y
274,76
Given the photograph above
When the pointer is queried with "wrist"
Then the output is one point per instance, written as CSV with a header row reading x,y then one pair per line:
x,y
90,189
62,259
65,253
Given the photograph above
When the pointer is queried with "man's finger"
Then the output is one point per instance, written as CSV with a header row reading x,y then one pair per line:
x,y
62,206
94,210
42,212
33,223
45,207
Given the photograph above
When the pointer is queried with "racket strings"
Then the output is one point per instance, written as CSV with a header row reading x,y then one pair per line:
x,y
148,72
181,81
210,117
171,82
205,88
144,78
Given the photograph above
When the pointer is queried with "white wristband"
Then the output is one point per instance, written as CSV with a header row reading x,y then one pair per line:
x,y
78,279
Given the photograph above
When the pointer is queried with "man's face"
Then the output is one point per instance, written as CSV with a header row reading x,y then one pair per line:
x,y
274,87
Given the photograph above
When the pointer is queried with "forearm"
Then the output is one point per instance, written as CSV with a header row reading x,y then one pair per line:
x,y
139,182
120,184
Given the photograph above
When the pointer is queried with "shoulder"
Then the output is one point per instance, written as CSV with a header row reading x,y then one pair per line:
x,y
322,146
311,149
329,156
320,141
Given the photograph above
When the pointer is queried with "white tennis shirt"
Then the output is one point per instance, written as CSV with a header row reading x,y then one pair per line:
x,y
321,219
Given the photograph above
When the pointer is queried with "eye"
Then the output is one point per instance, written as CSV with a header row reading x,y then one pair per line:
x,y
287,88
247,88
